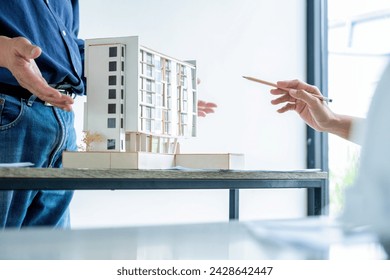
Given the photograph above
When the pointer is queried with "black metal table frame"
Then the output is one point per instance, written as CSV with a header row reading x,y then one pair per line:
x,y
317,187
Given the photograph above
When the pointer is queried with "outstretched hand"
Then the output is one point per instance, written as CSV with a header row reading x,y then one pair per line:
x,y
19,58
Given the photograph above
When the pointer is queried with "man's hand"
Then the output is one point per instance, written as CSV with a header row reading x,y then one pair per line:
x,y
205,108
18,56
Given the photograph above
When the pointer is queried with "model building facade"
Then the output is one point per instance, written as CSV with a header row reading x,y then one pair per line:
x,y
138,99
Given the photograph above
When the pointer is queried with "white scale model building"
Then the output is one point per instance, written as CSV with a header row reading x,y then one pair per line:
x,y
140,102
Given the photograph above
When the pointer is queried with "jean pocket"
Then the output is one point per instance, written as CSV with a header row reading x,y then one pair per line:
x,y
11,111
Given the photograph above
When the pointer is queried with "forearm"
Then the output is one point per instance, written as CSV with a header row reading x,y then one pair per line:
x,y
342,126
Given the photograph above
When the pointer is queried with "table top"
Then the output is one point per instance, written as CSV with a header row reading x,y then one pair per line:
x,y
48,178
309,238
160,174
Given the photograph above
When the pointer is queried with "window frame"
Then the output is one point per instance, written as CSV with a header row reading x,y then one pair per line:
x,y
317,74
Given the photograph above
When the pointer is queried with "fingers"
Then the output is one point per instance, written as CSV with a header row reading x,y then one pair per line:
x,y
202,103
278,91
301,96
289,83
54,97
208,110
298,84
64,102
287,107
283,99
205,108
201,114
48,94
211,105
308,98
297,91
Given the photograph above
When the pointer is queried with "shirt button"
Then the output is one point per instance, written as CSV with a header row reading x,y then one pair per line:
x,y
64,32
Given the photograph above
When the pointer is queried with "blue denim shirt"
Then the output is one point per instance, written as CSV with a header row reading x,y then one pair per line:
x,y
52,25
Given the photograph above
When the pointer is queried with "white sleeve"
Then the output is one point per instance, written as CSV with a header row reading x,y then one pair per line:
x,y
368,201
358,131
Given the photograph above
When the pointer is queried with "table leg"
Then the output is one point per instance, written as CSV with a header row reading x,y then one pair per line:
x,y
234,204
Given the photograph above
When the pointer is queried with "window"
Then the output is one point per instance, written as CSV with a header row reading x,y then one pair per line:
x,y
358,50
149,98
112,80
112,66
184,118
111,94
149,58
111,123
167,128
194,105
113,51
184,106
147,112
148,85
110,144
112,108
158,126
148,125
149,70
194,125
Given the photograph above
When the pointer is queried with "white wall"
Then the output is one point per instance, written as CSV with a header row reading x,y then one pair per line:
x,y
228,39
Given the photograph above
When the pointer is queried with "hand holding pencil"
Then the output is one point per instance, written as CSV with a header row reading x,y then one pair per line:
x,y
322,98
303,98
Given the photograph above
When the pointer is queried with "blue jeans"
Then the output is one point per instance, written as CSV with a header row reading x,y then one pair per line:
x,y
33,132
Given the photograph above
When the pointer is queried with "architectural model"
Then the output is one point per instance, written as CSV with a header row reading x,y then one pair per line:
x,y
140,103
139,99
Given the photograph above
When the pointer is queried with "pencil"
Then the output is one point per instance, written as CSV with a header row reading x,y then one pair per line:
x,y
322,98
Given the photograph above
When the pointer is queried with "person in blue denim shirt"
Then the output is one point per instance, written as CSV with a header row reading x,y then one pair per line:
x,y
39,54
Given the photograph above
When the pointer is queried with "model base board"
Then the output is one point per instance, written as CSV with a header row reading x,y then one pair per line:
x,y
143,160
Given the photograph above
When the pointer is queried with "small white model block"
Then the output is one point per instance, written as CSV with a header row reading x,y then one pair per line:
x,y
86,160
142,160
211,161
116,160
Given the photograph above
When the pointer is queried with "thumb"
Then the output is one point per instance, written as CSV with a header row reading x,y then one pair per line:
x,y
32,52
26,49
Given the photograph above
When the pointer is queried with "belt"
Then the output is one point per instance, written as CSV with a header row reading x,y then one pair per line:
x,y
20,92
